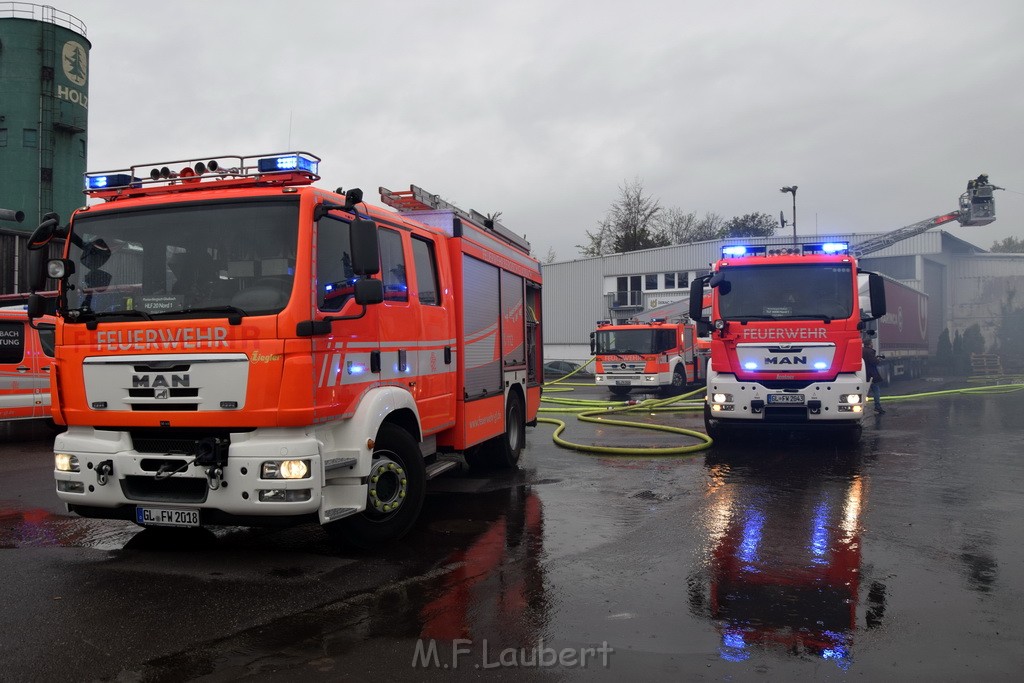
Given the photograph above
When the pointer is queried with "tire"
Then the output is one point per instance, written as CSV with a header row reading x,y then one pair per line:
x,y
711,425
376,526
678,383
620,391
502,452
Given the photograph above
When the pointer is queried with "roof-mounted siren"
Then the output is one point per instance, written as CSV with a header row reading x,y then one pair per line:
x,y
978,204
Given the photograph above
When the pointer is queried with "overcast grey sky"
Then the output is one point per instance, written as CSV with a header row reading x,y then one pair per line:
x,y
878,110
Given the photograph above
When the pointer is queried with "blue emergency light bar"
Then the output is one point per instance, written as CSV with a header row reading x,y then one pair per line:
x,y
290,162
111,181
827,248
743,250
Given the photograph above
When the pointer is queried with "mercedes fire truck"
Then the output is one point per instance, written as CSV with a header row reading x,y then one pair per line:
x,y
656,355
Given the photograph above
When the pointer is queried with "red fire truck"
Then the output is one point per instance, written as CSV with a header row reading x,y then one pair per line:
x,y
786,346
237,346
656,355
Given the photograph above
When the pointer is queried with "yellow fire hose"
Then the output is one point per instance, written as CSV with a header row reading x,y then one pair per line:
x,y
597,411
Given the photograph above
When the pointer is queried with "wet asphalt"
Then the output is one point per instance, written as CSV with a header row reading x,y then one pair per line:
x,y
777,558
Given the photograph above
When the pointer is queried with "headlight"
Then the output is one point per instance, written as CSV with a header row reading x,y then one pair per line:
x,y
65,462
719,324
852,398
285,469
721,398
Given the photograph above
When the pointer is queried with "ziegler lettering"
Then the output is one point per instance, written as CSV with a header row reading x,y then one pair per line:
x,y
761,333
144,340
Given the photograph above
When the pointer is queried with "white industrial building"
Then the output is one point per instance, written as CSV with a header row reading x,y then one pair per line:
x,y
965,284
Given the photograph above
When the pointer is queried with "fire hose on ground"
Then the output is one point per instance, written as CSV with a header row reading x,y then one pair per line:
x,y
598,411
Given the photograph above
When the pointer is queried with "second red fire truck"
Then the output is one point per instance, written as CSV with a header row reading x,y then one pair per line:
x,y
656,355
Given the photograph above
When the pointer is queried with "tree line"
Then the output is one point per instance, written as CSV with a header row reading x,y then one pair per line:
x,y
638,221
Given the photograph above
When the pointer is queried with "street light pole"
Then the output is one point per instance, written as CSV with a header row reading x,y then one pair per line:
x,y
792,190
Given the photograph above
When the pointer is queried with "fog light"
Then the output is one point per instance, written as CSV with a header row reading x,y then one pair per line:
x,y
65,462
71,486
285,469
284,495
651,378
852,398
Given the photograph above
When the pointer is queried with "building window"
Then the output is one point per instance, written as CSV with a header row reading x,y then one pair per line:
x,y
29,137
651,281
670,280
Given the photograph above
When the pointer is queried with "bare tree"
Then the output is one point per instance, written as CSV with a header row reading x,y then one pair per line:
x,y
679,227
630,225
551,256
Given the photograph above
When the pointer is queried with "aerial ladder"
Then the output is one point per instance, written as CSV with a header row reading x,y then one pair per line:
x,y
977,207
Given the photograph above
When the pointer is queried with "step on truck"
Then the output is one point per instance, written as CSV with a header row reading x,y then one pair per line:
x,y
656,355
235,345
786,343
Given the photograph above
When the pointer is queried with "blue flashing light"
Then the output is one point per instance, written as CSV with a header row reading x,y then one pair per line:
x,y
733,250
750,365
835,247
821,365
738,250
110,182
289,162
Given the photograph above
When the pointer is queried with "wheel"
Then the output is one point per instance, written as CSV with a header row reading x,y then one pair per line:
x,y
678,382
502,452
619,391
711,426
396,488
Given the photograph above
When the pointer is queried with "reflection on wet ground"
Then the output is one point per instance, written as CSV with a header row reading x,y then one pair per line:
x,y
783,555
778,557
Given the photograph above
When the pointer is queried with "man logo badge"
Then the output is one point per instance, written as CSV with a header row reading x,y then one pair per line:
x,y
162,393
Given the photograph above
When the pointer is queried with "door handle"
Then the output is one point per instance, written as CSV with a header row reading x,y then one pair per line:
x,y
22,368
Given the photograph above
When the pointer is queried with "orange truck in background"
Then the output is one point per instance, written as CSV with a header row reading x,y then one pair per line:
x,y
655,355
235,345
25,357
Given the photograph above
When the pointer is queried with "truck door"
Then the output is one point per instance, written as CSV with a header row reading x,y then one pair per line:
x,y
348,356
690,355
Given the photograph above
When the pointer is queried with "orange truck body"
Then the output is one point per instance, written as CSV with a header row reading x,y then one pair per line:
x,y
182,408
25,357
656,356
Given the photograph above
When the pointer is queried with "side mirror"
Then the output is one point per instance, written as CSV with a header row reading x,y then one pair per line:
x,y
37,259
593,344
697,300
46,231
368,291
365,251
876,292
36,306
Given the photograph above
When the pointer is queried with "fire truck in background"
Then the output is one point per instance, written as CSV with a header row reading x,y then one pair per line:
x,y
901,335
786,346
653,355
237,346
786,349
25,356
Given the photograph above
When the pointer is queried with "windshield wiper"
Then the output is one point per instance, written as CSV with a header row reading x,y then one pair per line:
x,y
808,316
748,318
128,313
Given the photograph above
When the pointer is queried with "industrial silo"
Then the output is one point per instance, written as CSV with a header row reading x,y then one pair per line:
x,y
44,107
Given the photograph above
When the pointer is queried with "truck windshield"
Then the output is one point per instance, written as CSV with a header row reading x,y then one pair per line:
x,y
787,292
199,259
633,341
